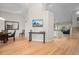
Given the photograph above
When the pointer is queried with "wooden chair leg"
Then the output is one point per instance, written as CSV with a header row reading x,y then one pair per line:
x,y
5,40
13,38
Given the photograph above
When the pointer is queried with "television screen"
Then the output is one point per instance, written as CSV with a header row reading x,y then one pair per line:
x,y
37,23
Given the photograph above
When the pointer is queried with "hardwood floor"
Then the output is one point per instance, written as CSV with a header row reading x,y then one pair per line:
x,y
58,46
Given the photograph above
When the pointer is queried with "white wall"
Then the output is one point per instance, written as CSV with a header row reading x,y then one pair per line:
x,y
62,12
75,23
37,15
36,11
50,25
1,25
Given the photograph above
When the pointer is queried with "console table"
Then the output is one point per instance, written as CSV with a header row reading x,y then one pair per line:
x,y
30,35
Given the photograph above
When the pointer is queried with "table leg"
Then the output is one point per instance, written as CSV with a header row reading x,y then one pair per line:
x,y
30,36
44,38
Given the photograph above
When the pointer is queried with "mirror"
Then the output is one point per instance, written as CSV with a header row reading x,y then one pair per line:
x,y
11,25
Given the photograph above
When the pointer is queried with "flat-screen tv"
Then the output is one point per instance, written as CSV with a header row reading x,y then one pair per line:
x,y
37,22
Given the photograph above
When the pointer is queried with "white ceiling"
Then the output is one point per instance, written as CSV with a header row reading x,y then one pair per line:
x,y
13,7
66,6
20,7
61,10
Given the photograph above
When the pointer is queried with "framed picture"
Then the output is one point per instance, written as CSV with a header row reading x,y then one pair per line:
x,y
37,22
11,25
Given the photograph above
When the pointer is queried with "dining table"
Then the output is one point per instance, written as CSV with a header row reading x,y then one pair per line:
x,y
4,37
